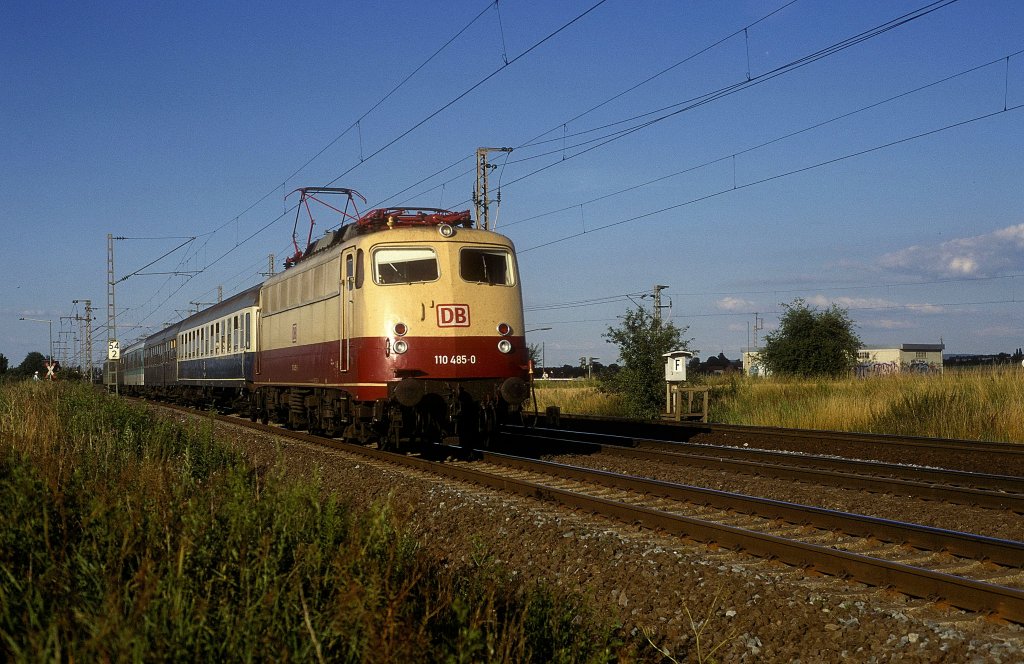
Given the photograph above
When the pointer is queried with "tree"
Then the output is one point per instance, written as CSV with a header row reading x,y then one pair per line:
x,y
642,340
3,363
811,342
32,363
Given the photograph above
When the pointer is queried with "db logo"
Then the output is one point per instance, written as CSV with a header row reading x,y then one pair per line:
x,y
453,315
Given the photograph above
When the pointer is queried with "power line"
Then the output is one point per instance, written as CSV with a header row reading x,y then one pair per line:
x,y
772,141
707,98
471,88
717,314
778,176
408,131
720,93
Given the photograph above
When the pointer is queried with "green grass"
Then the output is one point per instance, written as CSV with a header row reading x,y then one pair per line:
x,y
128,537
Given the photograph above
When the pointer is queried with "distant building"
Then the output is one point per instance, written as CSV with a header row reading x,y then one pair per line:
x,y
873,360
752,363
917,358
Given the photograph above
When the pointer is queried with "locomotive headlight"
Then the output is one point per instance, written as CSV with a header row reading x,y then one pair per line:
x,y
446,230
401,329
504,329
505,346
401,346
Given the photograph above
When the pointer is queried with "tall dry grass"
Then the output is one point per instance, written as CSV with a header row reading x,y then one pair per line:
x,y
582,397
975,405
982,404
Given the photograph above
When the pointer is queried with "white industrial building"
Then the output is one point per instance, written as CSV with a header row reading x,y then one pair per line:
x,y
873,360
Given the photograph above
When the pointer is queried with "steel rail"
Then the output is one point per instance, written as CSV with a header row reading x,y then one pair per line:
x,y
964,593
976,547
688,430
895,486
961,478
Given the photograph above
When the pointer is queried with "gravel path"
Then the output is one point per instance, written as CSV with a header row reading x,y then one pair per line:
x,y
758,610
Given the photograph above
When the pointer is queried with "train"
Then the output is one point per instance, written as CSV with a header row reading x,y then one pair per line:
x,y
402,327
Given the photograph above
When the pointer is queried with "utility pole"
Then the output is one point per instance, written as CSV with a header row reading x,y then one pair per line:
x,y
270,267
66,342
657,302
110,375
86,324
758,325
481,192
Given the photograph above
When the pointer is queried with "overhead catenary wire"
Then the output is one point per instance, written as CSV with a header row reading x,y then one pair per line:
x,y
415,126
772,141
691,103
777,176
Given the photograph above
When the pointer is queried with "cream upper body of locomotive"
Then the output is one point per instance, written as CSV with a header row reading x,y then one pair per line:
x,y
393,303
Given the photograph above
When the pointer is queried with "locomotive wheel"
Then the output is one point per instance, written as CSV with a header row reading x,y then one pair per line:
x,y
488,425
391,438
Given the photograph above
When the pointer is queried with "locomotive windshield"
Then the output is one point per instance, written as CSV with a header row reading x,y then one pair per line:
x,y
486,266
404,265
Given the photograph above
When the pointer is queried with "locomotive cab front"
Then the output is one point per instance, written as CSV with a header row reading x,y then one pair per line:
x,y
447,307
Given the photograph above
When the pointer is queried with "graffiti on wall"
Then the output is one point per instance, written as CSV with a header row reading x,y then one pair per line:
x,y
869,369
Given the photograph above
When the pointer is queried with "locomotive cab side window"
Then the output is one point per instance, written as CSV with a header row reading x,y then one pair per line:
x,y
404,265
486,266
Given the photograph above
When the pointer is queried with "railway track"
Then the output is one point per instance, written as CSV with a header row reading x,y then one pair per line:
x,y
952,486
967,571
967,455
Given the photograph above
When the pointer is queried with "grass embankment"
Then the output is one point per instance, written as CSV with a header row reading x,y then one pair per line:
x,y
580,397
973,405
127,537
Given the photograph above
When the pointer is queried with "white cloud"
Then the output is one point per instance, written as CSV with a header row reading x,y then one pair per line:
x,y
730,303
888,324
925,308
851,302
991,254
868,303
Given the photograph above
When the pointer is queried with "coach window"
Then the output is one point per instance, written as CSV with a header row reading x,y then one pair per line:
x,y
247,333
404,265
350,272
359,269
486,266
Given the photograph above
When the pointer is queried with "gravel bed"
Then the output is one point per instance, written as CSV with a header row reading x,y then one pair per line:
x,y
758,610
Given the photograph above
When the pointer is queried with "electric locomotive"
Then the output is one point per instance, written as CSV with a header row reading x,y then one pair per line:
x,y
403,326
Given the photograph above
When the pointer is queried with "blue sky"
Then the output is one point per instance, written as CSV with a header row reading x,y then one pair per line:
x,y
674,143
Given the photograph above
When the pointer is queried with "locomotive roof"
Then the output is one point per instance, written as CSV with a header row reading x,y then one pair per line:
x,y
325,248
386,219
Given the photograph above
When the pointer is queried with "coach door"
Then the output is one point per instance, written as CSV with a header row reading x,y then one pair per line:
x,y
348,292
